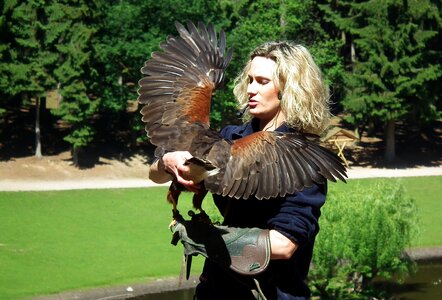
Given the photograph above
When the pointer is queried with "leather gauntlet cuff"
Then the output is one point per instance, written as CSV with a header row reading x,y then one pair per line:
x,y
243,250
249,249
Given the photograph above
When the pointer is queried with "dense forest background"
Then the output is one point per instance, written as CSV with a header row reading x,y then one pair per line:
x,y
69,69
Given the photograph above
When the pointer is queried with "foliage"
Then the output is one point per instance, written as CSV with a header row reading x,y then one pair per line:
x,y
300,24
394,62
74,23
48,46
381,58
131,31
26,57
363,235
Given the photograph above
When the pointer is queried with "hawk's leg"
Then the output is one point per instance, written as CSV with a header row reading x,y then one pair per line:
x,y
197,202
172,197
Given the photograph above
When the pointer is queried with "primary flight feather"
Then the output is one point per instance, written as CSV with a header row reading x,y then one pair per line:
x,y
176,93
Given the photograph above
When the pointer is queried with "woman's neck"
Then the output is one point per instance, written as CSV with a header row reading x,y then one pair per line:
x,y
273,123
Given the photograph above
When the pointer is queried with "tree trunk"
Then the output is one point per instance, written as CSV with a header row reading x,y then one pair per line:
x,y
390,143
75,156
37,129
352,52
282,22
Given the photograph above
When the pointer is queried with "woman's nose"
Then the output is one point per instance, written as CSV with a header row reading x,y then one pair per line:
x,y
251,88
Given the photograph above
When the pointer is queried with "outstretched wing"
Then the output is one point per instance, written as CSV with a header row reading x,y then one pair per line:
x,y
271,164
176,94
179,85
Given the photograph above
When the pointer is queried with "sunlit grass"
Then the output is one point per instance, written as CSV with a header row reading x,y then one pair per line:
x,y
55,241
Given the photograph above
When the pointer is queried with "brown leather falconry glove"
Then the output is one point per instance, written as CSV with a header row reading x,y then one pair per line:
x,y
243,250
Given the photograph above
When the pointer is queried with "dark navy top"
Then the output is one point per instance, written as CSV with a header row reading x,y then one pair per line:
x,y
295,216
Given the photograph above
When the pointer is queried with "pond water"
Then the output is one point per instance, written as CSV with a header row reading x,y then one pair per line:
x,y
425,284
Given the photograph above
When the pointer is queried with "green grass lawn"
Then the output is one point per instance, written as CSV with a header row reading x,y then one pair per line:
x,y
57,241
427,191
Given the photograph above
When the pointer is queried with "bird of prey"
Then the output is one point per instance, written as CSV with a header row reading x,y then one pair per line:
x,y
176,93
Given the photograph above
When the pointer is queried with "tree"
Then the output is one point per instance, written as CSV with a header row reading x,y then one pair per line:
x,y
393,61
4,41
347,256
303,24
48,45
26,57
72,26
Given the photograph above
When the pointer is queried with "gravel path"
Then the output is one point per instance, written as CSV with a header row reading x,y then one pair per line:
x,y
94,183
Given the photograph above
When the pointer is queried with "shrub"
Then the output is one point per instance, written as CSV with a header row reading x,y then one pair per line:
x,y
363,236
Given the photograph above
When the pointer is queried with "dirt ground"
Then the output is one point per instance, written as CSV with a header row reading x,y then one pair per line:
x,y
60,167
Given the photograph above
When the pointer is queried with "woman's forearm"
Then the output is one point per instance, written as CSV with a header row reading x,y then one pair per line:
x,y
172,164
282,247
157,173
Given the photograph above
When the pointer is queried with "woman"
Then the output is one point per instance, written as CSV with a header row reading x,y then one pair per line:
x,y
280,89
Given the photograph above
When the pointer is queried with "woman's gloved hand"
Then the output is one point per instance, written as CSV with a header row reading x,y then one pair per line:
x,y
243,250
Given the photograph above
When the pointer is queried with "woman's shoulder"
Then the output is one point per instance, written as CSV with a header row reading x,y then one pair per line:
x,y
236,131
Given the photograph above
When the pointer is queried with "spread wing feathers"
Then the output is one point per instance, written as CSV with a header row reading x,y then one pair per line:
x,y
271,164
176,94
180,81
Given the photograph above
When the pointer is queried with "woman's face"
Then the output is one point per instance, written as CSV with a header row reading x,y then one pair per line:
x,y
263,94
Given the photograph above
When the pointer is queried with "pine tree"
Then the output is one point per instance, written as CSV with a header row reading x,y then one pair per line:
x,y
26,59
392,61
4,59
48,45
73,25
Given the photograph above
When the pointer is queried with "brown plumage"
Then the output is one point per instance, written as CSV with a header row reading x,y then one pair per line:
x,y
176,94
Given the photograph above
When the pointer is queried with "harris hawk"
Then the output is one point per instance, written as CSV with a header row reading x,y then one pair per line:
x,y
176,93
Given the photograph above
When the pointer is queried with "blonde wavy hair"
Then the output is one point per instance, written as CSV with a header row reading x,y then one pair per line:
x,y
302,91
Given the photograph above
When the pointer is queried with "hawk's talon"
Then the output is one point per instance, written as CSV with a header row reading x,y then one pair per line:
x,y
172,224
176,218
